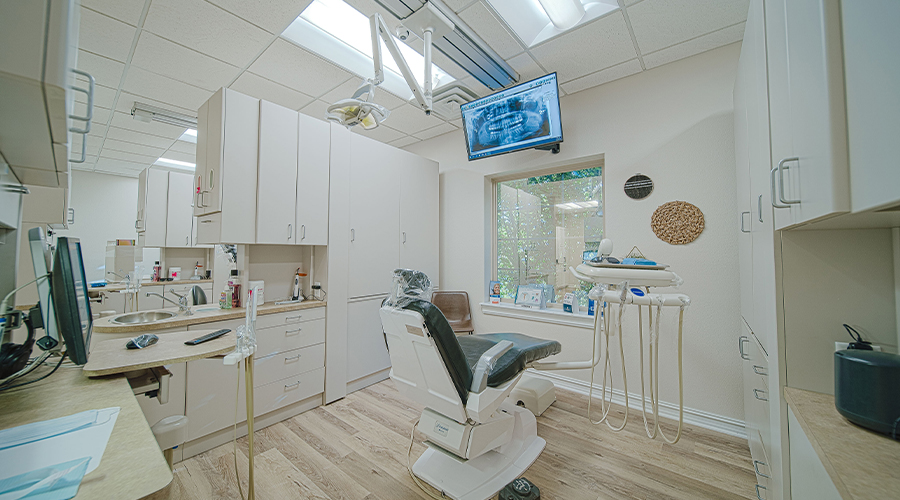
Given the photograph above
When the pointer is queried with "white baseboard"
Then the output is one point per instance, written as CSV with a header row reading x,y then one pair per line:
x,y
706,420
363,382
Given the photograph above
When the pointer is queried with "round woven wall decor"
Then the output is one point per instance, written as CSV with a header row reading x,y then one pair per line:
x,y
677,222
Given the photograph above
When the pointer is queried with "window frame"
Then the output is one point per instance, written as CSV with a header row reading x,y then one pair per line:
x,y
581,164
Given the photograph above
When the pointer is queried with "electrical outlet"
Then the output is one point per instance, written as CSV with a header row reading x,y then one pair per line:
x,y
840,346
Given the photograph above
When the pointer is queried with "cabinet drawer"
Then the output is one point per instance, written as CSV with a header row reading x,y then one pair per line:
x,y
288,391
289,318
288,337
287,364
209,228
760,466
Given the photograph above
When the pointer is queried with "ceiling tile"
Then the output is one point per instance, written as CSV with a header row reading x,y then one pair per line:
x,y
603,76
271,15
404,141
631,2
695,46
346,90
483,20
592,47
127,147
184,147
128,11
434,131
144,83
389,100
527,68
179,156
475,86
289,65
100,115
103,96
120,155
104,70
126,121
410,119
98,130
456,123
382,133
126,135
261,88
105,36
208,29
662,23
87,167
113,165
316,109
458,5
166,58
92,148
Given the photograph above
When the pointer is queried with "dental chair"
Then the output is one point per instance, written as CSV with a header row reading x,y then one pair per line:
x,y
478,441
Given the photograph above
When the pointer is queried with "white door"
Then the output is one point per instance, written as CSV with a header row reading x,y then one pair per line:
x,y
419,219
366,349
374,216
179,218
312,181
139,224
742,163
806,80
277,184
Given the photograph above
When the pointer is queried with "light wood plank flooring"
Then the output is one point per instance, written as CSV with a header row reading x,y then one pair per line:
x,y
355,449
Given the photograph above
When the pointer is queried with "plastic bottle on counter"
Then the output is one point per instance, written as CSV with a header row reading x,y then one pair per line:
x,y
235,284
157,270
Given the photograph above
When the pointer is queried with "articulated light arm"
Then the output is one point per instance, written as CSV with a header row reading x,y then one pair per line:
x,y
379,29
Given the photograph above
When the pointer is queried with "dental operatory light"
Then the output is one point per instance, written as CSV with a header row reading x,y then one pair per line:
x,y
358,109
147,113
537,20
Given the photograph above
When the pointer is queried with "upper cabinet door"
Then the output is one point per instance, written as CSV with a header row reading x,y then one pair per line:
x,y
277,180
313,165
156,211
419,217
374,216
744,217
179,218
809,132
139,224
203,160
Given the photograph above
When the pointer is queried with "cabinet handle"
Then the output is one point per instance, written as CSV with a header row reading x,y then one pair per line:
x,y
759,370
741,340
759,207
71,218
781,169
295,384
90,108
186,240
292,357
352,234
756,464
742,222
290,231
302,231
291,318
772,182
83,150
206,221
16,188
760,487
756,394
291,333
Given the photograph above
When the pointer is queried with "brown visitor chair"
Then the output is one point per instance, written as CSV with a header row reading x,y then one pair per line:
x,y
455,307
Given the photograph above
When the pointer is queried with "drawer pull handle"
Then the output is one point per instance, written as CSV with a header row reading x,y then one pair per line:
x,y
756,464
756,394
292,318
759,370
741,340
760,487
295,384
292,358
291,333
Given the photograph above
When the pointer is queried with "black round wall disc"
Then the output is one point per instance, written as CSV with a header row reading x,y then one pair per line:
x,y
638,187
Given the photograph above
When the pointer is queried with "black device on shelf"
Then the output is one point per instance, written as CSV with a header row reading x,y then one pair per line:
x,y
68,288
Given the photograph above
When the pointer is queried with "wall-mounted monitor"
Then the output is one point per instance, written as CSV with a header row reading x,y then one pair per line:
x,y
522,117
70,299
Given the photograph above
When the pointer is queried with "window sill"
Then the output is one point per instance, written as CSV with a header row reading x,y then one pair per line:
x,y
554,316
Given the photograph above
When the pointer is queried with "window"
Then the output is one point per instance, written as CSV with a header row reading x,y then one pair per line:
x,y
544,224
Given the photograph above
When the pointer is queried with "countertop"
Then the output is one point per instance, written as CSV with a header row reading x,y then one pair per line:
x,y
110,357
115,287
104,325
862,464
132,465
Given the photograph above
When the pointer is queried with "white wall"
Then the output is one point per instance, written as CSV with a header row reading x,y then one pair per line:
x,y
673,123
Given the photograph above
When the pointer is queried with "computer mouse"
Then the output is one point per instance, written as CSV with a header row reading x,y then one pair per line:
x,y
140,342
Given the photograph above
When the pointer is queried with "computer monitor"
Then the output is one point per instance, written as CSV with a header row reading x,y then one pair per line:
x,y
68,287
41,259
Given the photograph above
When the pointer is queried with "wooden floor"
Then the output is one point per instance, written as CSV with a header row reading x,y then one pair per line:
x,y
355,449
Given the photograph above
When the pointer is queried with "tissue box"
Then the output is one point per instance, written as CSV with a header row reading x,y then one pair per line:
x,y
570,303
261,294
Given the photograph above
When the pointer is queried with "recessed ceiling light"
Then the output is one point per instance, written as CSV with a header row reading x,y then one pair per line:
x,y
167,162
189,135
341,34
537,20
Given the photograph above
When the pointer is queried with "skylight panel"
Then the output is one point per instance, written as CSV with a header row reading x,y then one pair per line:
x,y
530,21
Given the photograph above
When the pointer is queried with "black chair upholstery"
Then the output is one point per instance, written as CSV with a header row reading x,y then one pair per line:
x,y
461,354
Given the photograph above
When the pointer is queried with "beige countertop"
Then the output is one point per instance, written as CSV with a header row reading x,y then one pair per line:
x,y
110,357
115,287
862,464
105,325
132,465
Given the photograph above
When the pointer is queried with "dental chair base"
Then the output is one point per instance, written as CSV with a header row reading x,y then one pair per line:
x,y
535,394
486,474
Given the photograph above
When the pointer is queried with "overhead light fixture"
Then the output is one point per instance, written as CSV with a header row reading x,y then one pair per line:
x,y
564,14
168,162
147,113
189,135
358,110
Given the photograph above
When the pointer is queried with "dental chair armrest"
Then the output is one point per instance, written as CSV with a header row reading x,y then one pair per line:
x,y
486,364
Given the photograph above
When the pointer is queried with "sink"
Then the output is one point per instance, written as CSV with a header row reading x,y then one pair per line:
x,y
206,309
142,317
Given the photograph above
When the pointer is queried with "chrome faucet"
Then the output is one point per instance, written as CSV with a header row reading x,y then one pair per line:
x,y
182,302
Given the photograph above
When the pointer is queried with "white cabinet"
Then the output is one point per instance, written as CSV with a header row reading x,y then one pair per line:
x,y
808,119
419,217
226,178
48,205
374,216
277,197
153,188
809,478
366,348
313,162
873,106
10,198
179,217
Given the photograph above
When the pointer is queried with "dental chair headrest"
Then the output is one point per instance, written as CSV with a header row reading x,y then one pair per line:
x,y
409,285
